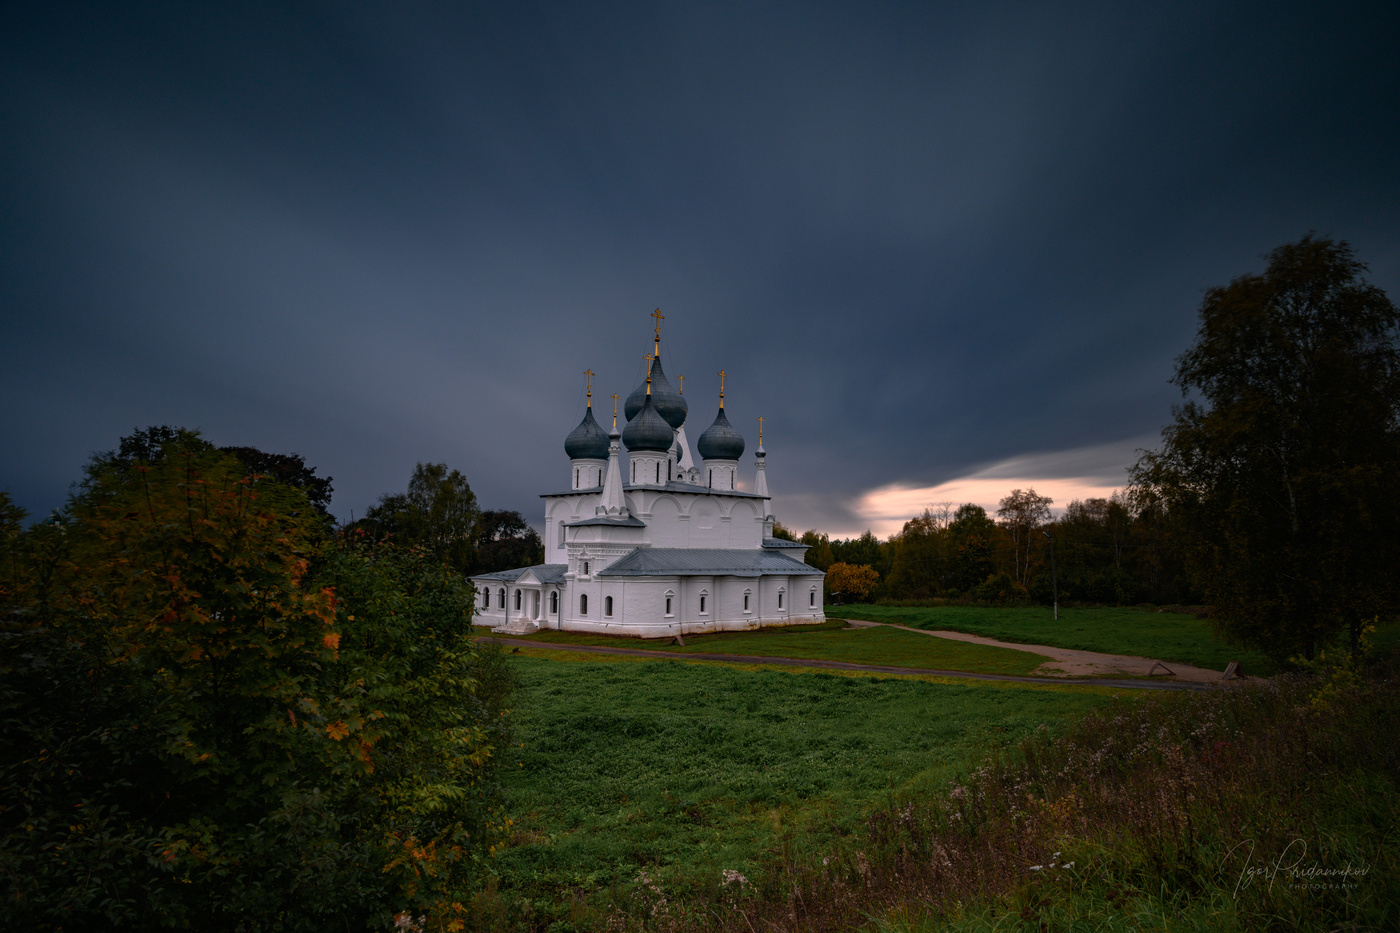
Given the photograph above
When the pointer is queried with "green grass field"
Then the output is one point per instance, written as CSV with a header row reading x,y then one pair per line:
x,y
831,641
683,770
1147,633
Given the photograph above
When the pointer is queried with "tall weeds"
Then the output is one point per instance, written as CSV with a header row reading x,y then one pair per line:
x,y
1254,808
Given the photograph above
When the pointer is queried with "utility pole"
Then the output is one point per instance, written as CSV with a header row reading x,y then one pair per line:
x,y
1054,583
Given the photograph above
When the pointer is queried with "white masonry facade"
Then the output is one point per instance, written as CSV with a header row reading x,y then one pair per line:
x,y
650,543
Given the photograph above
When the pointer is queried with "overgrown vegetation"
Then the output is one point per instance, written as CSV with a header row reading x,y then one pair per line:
x,y
1272,806
683,771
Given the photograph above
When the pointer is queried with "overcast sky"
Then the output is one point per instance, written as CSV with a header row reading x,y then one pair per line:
x,y
943,249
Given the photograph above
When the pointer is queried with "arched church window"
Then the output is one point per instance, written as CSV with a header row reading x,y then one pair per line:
x,y
607,605
658,471
501,598
634,472
668,605
554,603
485,599
585,568
812,599
517,600
746,600
702,603
780,599
561,533
575,477
583,604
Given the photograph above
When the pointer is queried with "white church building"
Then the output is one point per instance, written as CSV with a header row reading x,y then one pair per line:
x,y
649,543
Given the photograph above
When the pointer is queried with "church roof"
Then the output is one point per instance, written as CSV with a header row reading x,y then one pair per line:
x,y
720,441
705,562
630,521
588,441
547,573
668,486
782,542
670,404
648,431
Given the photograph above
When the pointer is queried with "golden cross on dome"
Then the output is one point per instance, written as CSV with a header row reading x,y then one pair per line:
x,y
721,388
649,359
614,398
589,374
760,430
659,318
681,380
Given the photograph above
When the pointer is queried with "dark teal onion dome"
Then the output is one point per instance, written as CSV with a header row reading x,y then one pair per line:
x,y
669,403
588,441
720,441
648,431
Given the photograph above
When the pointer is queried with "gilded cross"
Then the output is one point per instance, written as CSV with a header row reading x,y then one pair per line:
x,y
760,430
648,359
721,388
681,380
589,374
614,398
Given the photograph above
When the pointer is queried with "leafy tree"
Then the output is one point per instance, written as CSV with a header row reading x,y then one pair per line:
x,y
210,717
1279,470
819,553
289,469
971,534
781,532
856,581
438,513
504,541
148,444
1022,514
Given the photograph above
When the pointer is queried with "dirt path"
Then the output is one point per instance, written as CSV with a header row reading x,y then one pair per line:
x,y
1163,684
1070,662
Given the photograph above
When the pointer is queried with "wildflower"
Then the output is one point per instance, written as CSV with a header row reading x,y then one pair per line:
x,y
1037,867
733,877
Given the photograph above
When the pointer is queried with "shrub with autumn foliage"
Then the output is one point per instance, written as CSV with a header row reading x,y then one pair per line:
x,y
213,713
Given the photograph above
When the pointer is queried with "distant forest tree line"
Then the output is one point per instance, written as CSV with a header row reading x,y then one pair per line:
x,y
1107,551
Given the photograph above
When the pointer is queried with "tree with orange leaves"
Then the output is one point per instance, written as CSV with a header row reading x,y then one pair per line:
x,y
198,728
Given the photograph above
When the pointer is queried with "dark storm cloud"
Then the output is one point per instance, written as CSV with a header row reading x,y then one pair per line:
x,y
921,242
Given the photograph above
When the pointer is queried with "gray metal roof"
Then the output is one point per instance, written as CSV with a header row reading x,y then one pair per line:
x,y
588,441
670,486
720,441
548,573
782,542
630,521
706,562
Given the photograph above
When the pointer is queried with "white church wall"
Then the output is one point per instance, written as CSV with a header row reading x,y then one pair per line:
x,y
664,522
745,524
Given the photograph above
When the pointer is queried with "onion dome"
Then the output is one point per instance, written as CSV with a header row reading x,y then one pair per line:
x,y
648,430
720,441
670,404
588,441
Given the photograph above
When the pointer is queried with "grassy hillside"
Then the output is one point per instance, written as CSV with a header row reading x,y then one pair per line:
x,y
1146,633
684,771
